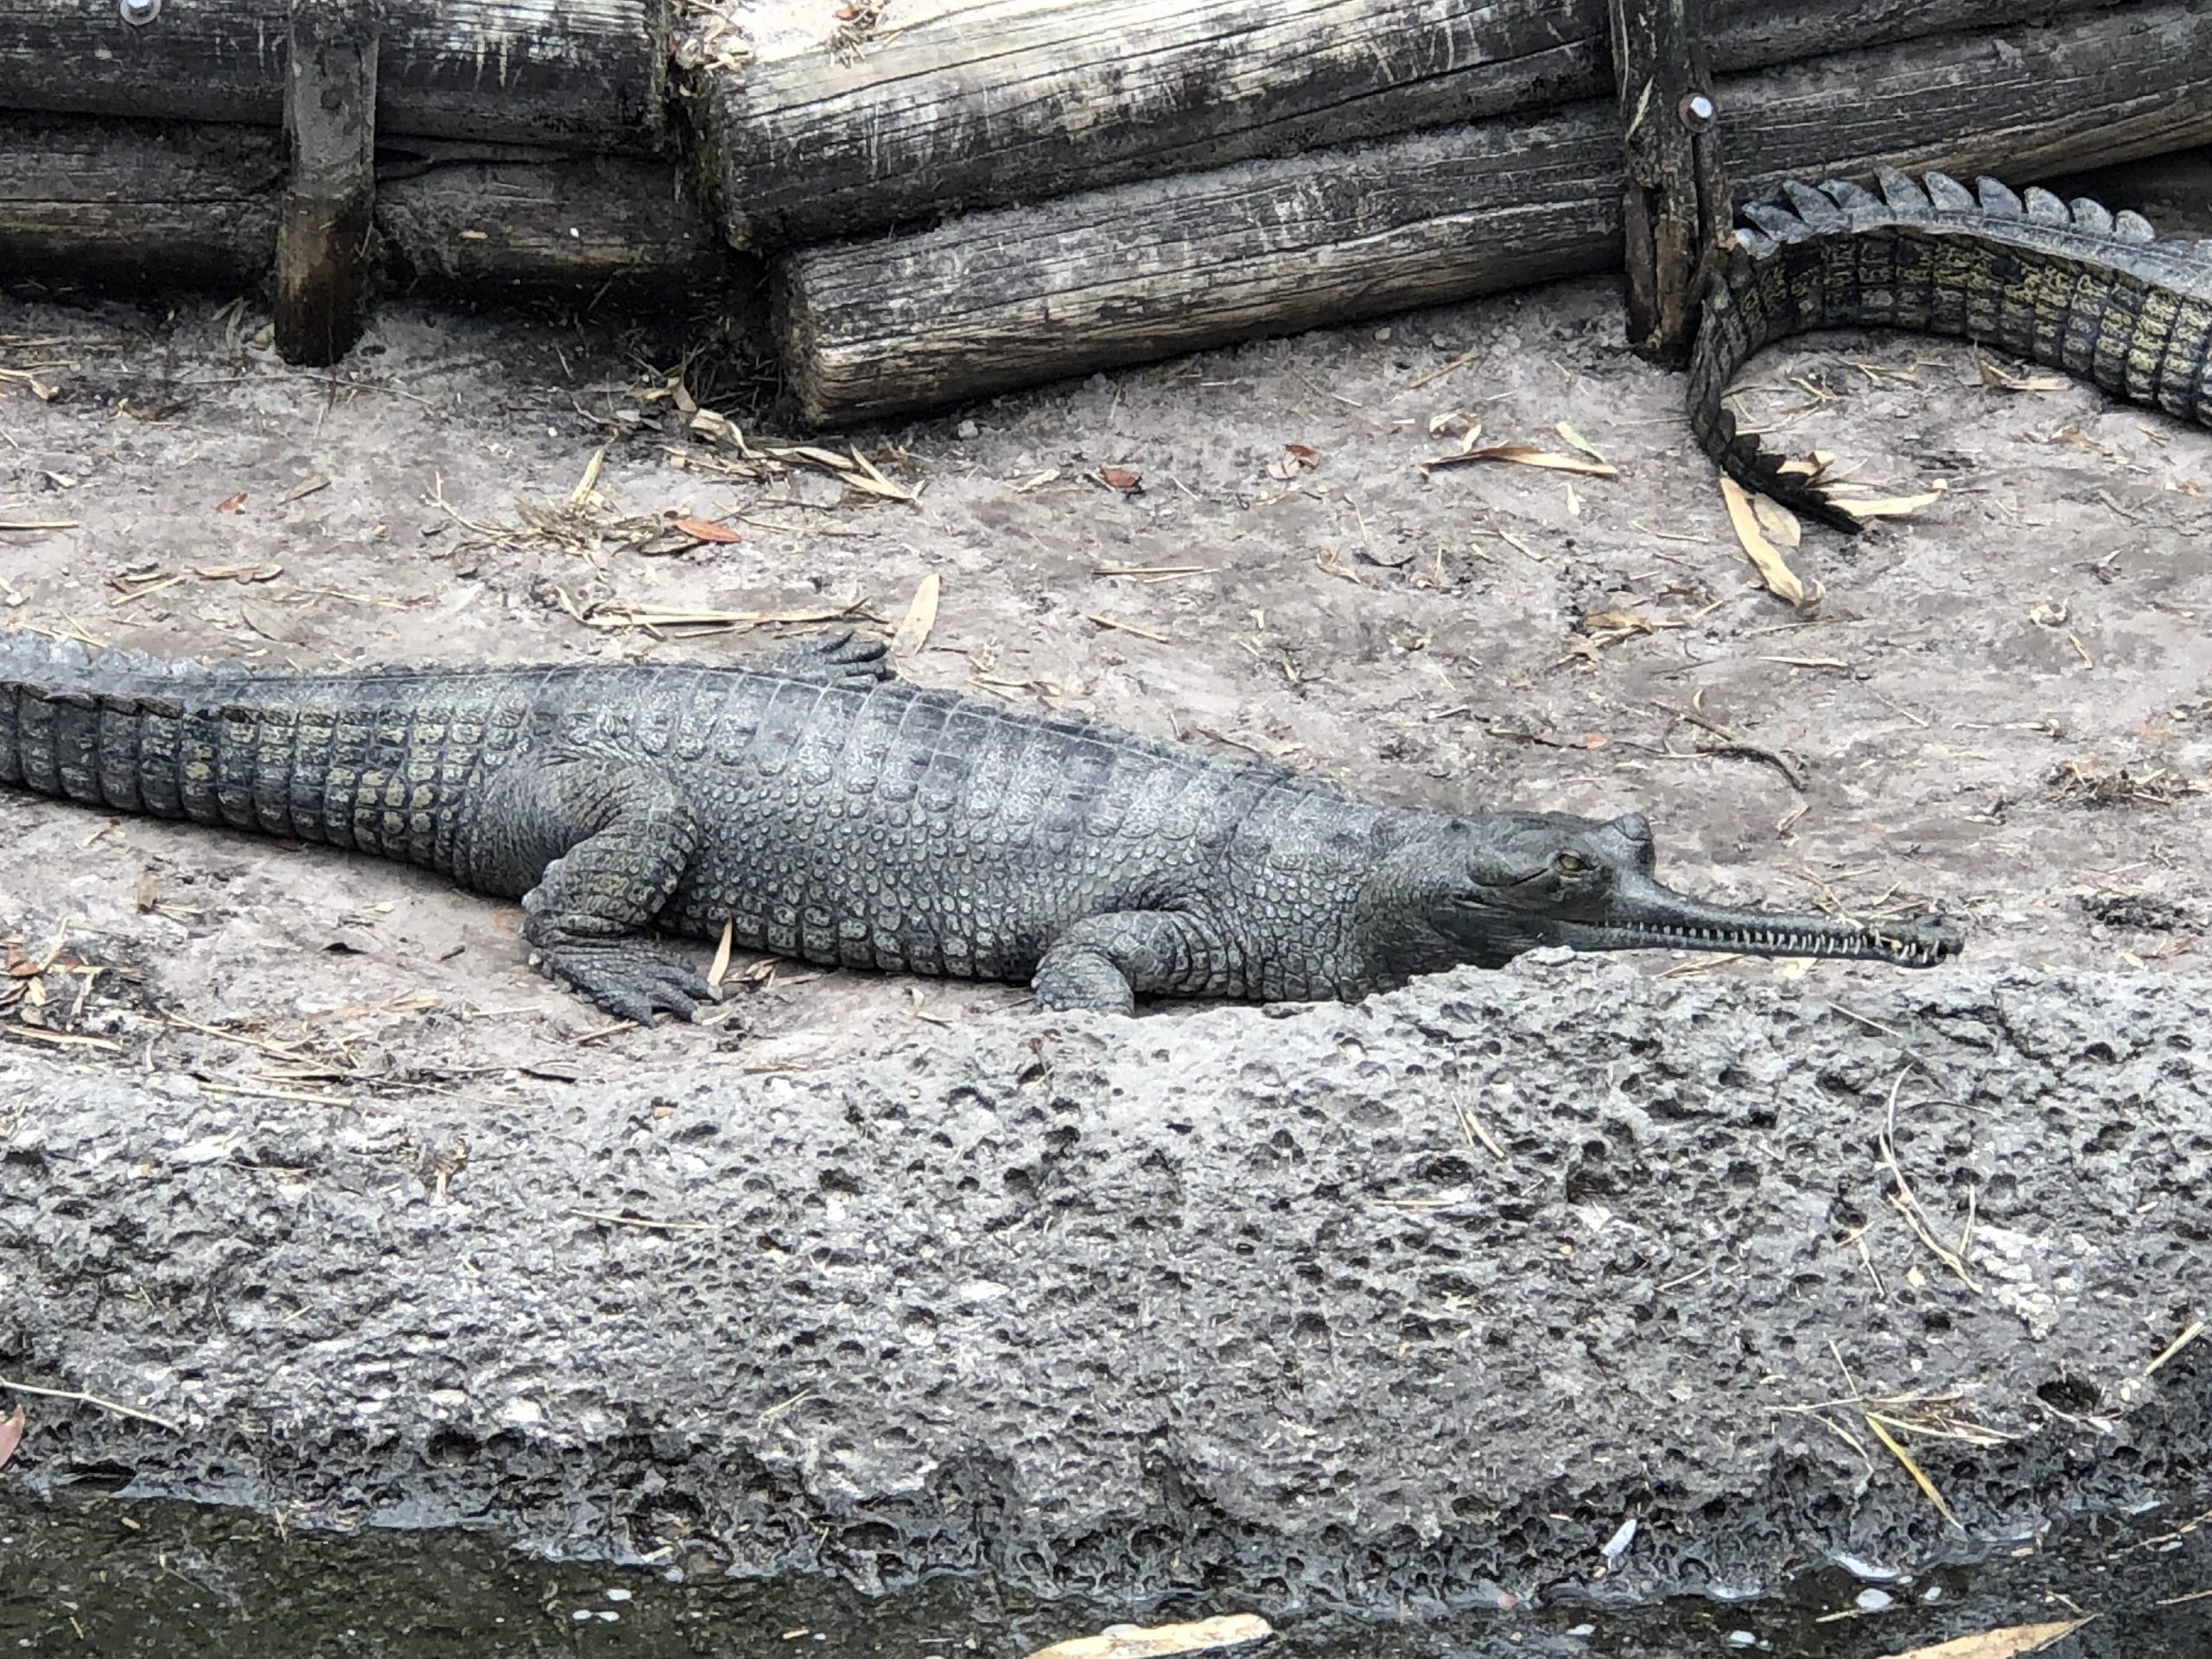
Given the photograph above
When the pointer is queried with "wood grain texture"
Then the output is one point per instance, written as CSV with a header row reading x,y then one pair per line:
x,y
162,205
485,221
325,245
962,104
545,70
1006,297
138,205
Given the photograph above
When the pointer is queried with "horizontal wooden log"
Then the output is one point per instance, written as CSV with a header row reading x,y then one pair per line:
x,y
158,205
492,220
586,72
981,102
1016,296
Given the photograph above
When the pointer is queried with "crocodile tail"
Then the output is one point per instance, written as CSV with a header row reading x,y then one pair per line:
x,y
2071,285
105,726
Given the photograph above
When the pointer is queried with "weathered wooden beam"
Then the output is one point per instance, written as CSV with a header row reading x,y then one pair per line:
x,y
484,220
325,246
1675,207
160,205
813,132
586,71
998,299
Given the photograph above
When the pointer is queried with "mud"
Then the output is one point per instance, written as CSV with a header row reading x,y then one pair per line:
x,y
911,1278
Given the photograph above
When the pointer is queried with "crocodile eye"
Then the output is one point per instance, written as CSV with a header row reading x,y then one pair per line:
x,y
1570,864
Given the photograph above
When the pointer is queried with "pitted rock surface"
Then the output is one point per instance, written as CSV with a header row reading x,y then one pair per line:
x,y
1231,1296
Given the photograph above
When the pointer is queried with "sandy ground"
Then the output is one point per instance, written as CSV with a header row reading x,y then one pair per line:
x,y
2001,709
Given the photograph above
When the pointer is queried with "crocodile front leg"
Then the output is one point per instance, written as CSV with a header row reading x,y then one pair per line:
x,y
597,843
1103,964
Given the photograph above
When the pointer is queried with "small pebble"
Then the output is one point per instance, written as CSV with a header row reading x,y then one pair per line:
x,y
1743,1639
618,1595
967,429
1873,1601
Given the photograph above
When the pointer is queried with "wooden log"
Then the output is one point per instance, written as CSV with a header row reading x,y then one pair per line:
x,y
325,247
980,103
481,220
136,205
1016,295
162,205
585,72
1675,206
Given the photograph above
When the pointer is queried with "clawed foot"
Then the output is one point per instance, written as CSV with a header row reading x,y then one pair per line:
x,y
629,979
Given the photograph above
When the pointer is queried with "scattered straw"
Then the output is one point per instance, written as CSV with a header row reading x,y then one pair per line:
x,y
1919,1475
81,1398
1906,1204
1120,627
1476,1133
648,1224
2174,1347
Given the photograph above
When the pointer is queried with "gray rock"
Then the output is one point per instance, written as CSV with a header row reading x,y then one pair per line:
x,y
1227,1294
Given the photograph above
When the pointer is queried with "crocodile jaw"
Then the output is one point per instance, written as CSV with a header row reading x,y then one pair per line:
x,y
1642,914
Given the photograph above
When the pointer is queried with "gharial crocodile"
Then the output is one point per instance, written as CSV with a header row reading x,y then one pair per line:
x,y
823,809
818,809
2068,284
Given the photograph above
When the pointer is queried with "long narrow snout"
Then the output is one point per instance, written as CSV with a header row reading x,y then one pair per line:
x,y
1643,914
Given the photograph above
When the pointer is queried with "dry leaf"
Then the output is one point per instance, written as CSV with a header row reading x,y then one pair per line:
x,y
1527,455
11,1435
721,965
1131,1641
1780,524
1120,478
2006,381
705,530
238,573
1886,506
269,622
1618,623
2009,1643
231,503
1578,442
1774,569
1296,458
921,615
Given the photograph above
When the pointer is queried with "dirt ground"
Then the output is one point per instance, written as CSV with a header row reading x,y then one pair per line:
x,y
2001,709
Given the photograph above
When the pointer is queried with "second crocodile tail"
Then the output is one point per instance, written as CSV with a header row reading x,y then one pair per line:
x,y
2070,285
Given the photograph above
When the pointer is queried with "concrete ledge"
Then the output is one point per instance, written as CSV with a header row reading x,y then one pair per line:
x,y
1227,1295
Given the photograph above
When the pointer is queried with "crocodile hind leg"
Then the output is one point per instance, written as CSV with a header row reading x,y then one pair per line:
x,y
596,844
1103,964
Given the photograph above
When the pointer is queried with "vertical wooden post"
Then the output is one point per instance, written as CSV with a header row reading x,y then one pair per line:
x,y
1675,208
324,231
